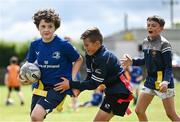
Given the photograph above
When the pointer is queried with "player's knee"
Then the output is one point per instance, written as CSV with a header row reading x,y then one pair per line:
x,y
97,119
139,111
34,117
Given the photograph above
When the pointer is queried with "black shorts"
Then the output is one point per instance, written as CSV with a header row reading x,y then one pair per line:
x,y
17,88
110,104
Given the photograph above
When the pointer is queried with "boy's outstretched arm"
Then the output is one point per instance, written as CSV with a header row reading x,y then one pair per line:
x,y
126,60
62,86
81,85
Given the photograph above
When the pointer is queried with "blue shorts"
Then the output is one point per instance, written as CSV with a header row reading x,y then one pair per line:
x,y
51,101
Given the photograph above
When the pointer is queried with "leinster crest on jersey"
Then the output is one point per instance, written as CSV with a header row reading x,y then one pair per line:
x,y
154,52
56,55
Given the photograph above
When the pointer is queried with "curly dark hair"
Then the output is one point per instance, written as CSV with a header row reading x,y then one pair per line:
x,y
49,15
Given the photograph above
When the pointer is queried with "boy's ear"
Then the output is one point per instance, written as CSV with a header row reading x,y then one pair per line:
x,y
161,29
98,42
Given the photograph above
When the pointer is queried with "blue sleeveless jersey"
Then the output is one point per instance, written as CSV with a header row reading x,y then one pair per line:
x,y
54,59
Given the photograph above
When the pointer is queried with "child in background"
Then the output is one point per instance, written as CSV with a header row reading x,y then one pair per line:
x,y
136,79
97,97
158,61
12,80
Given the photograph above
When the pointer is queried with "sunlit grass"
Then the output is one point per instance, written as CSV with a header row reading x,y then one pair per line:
x,y
17,113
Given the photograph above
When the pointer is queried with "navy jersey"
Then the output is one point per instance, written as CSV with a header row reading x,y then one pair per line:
x,y
158,61
135,72
102,68
54,59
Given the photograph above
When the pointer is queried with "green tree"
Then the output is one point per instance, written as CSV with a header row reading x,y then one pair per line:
x,y
7,50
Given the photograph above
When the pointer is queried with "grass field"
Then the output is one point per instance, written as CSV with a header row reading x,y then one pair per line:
x,y
17,113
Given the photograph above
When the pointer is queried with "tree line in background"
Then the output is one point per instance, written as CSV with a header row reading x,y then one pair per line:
x,y
19,49
9,49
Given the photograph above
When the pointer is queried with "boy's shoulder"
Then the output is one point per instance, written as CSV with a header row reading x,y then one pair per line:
x,y
57,40
62,41
161,41
145,41
105,56
36,41
164,40
166,46
104,52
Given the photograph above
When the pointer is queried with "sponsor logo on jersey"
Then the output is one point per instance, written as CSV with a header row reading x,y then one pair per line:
x,y
47,110
46,100
107,106
98,71
154,53
37,52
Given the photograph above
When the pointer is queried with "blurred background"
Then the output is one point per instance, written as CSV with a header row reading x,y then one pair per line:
x,y
122,23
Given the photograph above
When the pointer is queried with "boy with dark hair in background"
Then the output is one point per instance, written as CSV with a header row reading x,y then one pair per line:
x,y
158,61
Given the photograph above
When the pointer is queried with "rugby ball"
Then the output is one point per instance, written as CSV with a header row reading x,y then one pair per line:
x,y
29,73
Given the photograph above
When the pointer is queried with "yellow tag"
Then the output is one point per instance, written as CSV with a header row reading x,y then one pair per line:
x,y
157,84
59,108
40,92
159,75
159,79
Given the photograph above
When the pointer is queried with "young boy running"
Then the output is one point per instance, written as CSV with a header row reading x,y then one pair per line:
x,y
56,58
158,61
103,67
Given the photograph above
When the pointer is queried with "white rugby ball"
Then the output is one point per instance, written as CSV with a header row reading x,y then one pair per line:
x,y
29,73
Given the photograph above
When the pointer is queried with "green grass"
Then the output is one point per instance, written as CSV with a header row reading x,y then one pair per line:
x,y
17,113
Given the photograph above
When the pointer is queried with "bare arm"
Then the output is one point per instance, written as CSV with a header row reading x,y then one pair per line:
x,y
76,67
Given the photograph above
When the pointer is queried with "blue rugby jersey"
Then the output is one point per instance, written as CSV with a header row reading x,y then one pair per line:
x,y
102,68
157,58
54,59
135,72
